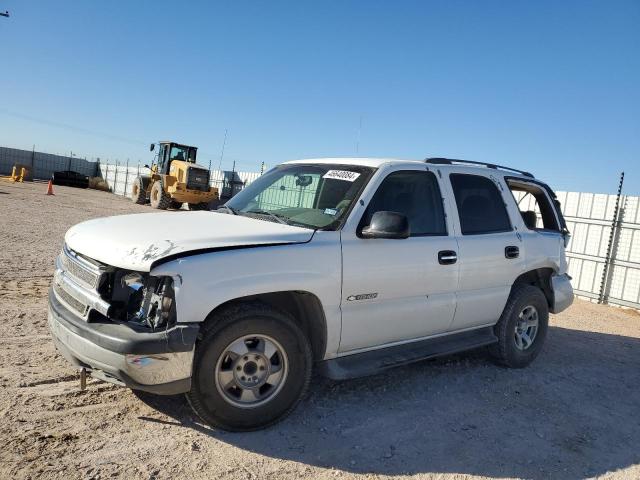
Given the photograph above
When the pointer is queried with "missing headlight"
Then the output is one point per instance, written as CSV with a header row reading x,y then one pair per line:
x,y
153,304
142,299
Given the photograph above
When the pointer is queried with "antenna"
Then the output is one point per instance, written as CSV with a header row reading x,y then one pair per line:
x,y
224,143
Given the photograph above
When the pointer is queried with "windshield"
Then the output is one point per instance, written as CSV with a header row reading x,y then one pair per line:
x,y
314,196
182,153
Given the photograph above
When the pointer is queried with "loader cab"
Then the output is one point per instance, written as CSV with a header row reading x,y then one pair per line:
x,y
170,151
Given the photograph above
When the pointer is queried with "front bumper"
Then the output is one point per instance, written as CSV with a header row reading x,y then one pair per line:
x,y
562,293
156,362
180,193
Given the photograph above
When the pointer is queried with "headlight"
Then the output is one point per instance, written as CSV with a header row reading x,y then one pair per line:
x,y
152,301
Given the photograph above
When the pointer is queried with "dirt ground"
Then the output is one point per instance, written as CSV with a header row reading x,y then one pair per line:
x,y
574,413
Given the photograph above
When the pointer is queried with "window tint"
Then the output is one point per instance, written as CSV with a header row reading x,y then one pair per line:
x,y
414,194
480,205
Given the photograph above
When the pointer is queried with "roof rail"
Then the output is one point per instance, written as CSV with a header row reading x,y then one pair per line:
x,y
451,161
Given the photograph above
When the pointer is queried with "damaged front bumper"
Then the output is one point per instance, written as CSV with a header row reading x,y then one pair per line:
x,y
157,362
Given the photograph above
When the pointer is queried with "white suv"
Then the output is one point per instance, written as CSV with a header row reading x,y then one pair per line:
x,y
349,265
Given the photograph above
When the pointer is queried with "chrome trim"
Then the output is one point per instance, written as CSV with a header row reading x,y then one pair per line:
x,y
80,268
89,298
69,300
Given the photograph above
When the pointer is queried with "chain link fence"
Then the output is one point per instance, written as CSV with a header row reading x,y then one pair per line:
x,y
120,177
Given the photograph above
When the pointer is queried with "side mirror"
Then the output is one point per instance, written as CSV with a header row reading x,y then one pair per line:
x,y
387,225
152,147
304,180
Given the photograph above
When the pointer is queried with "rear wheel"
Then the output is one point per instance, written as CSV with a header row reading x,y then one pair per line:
x,y
522,328
251,368
176,205
159,198
138,194
199,206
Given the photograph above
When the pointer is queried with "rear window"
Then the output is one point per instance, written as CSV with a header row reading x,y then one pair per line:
x,y
481,208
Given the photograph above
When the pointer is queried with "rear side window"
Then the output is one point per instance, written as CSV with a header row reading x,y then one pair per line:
x,y
480,205
415,194
538,213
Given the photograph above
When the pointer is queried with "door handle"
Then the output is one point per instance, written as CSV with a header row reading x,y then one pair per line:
x,y
447,257
511,252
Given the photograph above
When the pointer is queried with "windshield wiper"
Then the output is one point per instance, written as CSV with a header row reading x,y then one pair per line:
x,y
228,208
279,218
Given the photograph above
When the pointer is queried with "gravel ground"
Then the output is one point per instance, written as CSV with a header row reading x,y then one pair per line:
x,y
574,413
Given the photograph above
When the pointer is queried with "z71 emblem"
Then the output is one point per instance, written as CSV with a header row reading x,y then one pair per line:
x,y
362,296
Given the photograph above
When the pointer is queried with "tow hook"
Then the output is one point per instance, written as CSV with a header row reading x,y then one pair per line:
x,y
83,379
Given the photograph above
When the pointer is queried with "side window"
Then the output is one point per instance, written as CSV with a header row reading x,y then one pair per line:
x,y
415,194
537,211
480,205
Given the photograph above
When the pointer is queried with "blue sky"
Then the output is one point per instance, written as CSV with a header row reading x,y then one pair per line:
x,y
551,87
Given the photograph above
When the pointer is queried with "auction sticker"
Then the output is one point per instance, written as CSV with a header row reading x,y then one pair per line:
x,y
341,175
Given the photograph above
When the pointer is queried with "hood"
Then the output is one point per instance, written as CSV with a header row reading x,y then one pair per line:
x,y
134,242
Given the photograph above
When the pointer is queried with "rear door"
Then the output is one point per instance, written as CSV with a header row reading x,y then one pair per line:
x,y
491,252
397,290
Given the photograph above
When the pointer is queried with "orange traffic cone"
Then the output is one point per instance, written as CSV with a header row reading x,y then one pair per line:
x,y
50,188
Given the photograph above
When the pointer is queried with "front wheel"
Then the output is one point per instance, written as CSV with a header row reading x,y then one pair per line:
x,y
522,327
159,198
251,368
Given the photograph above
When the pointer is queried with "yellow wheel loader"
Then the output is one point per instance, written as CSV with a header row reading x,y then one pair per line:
x,y
175,179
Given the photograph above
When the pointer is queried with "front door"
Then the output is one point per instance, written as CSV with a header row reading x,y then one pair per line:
x,y
398,290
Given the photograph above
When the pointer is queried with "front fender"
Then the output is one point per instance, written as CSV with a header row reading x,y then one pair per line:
x,y
205,281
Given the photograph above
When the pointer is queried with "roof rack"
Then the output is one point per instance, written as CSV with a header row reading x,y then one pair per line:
x,y
451,161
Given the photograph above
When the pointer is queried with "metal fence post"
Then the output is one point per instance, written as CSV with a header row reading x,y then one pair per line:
x,y
126,178
115,179
612,247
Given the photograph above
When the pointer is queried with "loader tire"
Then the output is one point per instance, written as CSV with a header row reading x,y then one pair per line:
x,y
138,194
159,198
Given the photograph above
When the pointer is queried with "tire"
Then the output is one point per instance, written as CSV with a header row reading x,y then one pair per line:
x,y
138,194
176,205
159,198
199,206
513,350
217,395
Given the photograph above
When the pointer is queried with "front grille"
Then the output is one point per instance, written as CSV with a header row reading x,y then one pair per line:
x,y
76,270
198,179
71,301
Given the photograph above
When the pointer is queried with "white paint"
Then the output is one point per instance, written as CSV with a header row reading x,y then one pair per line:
x,y
135,241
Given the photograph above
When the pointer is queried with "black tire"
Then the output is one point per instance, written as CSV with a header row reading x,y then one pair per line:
x,y
226,328
159,198
506,351
138,194
199,206
176,205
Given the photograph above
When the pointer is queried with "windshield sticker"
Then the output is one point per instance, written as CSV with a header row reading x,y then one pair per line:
x,y
341,175
330,211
